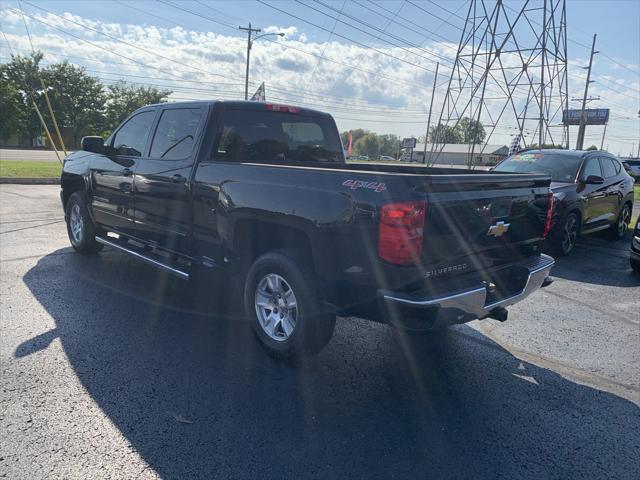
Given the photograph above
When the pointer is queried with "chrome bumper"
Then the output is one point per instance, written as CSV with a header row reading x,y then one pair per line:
x,y
469,304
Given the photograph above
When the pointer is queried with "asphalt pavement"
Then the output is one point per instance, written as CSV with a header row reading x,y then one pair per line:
x,y
110,369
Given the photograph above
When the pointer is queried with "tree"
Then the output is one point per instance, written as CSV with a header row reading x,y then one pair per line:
x,y
23,74
471,131
444,134
388,144
12,112
368,144
592,147
77,99
123,98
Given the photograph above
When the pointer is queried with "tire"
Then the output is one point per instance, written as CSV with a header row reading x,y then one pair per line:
x,y
565,238
80,226
635,265
619,229
273,283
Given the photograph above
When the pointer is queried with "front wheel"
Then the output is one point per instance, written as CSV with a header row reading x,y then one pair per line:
x,y
619,229
288,317
80,226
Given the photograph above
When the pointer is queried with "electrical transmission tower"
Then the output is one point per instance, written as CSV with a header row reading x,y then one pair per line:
x,y
510,73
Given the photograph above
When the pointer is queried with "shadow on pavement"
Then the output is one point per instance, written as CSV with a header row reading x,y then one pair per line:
x,y
197,398
598,260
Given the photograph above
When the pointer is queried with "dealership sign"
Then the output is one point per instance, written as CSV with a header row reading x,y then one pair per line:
x,y
594,116
408,143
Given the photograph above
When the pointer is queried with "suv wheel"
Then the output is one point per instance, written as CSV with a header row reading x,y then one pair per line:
x,y
619,229
567,235
80,227
287,316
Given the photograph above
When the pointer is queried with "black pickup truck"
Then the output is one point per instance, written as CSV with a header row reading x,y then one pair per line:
x,y
261,192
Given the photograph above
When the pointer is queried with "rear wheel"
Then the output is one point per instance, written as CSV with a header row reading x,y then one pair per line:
x,y
566,236
619,229
80,226
287,315
635,265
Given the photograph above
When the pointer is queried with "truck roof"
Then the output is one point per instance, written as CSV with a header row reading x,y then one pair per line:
x,y
244,104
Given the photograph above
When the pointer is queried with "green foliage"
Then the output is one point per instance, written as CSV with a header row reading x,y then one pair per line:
x,y
368,144
466,131
77,99
371,144
445,134
11,108
471,131
81,104
123,98
592,147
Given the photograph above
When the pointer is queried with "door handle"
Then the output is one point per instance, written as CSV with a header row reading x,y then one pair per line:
x,y
177,178
126,172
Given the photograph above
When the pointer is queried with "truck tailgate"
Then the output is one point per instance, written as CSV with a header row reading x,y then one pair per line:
x,y
475,222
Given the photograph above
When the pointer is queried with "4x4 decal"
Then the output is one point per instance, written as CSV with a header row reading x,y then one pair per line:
x,y
355,184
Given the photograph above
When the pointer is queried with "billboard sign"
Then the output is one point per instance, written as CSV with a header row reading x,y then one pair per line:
x,y
595,116
408,143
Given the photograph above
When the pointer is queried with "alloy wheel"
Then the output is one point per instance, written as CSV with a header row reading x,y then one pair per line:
x,y
570,234
276,307
76,224
623,221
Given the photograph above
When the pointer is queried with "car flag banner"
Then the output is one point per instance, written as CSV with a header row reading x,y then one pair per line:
x,y
259,96
515,145
350,145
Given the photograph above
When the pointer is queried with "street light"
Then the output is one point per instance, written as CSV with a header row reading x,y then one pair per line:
x,y
250,41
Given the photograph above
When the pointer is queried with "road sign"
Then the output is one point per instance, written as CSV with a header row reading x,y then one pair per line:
x,y
595,116
408,143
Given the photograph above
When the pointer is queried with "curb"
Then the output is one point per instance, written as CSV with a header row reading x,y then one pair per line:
x,y
30,180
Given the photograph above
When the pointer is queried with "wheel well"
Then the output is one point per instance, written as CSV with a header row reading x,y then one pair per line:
x,y
70,184
253,238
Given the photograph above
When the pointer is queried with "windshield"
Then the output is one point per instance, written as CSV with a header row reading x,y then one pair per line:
x,y
561,168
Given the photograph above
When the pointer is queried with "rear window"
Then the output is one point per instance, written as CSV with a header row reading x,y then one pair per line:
x,y
276,137
561,168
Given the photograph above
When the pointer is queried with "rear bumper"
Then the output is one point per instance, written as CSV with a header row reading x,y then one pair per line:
x,y
423,312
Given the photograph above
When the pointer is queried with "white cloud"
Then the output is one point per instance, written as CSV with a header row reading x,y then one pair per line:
x,y
371,88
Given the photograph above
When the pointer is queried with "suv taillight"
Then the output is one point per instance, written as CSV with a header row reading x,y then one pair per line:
x,y
547,223
401,231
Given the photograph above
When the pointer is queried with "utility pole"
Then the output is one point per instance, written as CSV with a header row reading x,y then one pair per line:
x,y
249,31
583,115
603,135
426,137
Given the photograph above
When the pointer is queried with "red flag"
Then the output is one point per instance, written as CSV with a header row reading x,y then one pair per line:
x,y
350,145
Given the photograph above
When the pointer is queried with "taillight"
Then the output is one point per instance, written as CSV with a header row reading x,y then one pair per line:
x,y
547,223
400,232
274,107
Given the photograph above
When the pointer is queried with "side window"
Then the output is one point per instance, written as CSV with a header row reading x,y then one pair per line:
x,y
617,165
608,168
175,135
131,138
592,167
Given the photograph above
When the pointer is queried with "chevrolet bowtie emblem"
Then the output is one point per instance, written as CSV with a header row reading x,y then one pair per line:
x,y
498,229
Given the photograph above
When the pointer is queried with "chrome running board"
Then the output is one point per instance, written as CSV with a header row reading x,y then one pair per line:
x,y
145,258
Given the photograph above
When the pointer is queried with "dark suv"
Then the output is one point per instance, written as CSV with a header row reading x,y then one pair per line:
x,y
591,192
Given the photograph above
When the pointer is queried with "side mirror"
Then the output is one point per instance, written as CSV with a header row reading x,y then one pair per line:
x,y
92,144
594,180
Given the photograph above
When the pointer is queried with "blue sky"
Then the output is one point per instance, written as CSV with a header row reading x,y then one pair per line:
x,y
200,54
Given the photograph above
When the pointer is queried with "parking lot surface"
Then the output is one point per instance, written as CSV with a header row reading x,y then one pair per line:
x,y
110,369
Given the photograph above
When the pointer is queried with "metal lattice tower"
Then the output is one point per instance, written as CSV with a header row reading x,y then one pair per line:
x,y
510,72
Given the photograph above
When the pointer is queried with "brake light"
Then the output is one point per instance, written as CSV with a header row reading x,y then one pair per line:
x,y
401,231
274,107
547,223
